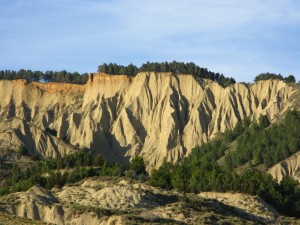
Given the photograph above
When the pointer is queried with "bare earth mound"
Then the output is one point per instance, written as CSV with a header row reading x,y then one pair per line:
x,y
120,201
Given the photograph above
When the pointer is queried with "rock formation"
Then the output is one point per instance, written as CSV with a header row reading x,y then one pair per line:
x,y
287,167
160,116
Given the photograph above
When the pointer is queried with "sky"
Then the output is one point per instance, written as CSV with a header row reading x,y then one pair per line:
x,y
238,38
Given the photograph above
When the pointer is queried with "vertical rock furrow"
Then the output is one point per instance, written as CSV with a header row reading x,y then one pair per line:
x,y
157,115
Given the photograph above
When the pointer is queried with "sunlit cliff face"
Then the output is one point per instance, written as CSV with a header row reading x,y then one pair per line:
x,y
157,115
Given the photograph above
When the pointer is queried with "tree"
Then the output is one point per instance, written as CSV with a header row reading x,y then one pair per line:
x,y
180,178
288,185
264,121
97,160
290,79
111,69
131,70
162,176
246,122
137,164
48,76
59,163
16,174
267,76
36,76
103,68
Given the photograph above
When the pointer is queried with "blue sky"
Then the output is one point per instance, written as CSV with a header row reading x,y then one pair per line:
x,y
238,38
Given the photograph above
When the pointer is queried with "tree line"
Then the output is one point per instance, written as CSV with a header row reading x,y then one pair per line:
x,y
48,76
132,70
268,76
173,67
201,171
71,168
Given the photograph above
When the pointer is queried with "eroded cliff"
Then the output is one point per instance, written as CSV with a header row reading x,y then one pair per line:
x,y
157,115
288,167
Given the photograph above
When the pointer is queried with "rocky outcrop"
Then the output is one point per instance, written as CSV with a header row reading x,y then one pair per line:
x,y
157,115
120,196
36,204
287,167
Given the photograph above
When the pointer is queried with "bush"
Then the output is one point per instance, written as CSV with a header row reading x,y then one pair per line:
x,y
290,79
137,164
130,174
22,150
267,76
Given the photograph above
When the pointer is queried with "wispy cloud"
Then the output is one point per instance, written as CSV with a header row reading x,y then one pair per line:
x,y
236,37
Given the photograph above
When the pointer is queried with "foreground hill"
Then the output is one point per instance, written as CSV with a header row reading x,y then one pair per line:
x,y
123,201
160,116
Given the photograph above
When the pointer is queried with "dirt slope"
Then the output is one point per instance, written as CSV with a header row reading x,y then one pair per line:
x,y
245,202
287,167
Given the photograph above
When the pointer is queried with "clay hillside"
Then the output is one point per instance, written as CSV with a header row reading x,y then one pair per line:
x,y
159,116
